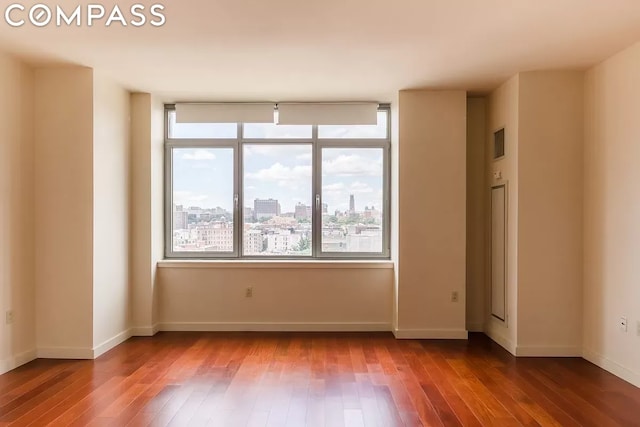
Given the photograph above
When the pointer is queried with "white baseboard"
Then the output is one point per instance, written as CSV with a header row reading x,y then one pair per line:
x,y
501,341
273,327
475,327
542,351
65,353
112,342
145,331
429,334
17,361
613,367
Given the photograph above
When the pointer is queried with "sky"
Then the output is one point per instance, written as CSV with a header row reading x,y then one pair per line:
x,y
203,177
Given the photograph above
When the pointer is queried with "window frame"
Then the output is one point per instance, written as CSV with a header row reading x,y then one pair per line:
x,y
317,145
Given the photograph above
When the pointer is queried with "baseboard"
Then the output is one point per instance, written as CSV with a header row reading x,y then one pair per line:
x,y
501,341
274,327
542,351
145,331
112,342
65,353
613,367
475,327
17,361
430,334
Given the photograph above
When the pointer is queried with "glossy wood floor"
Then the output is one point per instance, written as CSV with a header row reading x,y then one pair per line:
x,y
231,379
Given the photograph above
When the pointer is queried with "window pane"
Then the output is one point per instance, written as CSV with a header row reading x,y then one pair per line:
x,y
277,199
352,200
202,200
201,130
356,131
273,131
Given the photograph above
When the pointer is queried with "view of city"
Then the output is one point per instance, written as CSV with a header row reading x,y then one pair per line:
x,y
277,214
269,231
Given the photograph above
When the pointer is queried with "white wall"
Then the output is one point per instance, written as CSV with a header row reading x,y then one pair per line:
x,y
64,211
17,265
285,297
476,207
611,214
503,113
550,162
111,206
432,214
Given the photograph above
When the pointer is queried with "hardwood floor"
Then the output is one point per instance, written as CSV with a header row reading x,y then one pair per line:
x,y
282,379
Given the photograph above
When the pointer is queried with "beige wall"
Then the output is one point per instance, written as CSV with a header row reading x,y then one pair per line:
x,y
432,213
476,207
147,214
503,113
111,183
550,213
157,197
17,277
284,298
395,209
64,209
141,227
611,213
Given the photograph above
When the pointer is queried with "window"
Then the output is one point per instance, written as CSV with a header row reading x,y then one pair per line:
x,y
353,186
277,191
277,199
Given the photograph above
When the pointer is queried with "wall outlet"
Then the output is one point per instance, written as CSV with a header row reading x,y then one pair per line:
x,y
248,293
623,324
454,296
9,317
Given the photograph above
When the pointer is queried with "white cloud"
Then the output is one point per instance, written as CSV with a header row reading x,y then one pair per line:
x,y
352,165
360,188
284,176
333,187
305,157
188,198
199,154
300,151
279,172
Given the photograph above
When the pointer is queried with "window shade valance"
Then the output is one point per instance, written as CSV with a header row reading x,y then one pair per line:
x,y
289,113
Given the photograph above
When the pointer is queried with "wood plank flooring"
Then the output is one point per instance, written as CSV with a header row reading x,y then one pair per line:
x,y
293,379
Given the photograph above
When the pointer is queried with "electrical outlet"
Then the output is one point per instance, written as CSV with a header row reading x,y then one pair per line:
x,y
248,293
454,296
9,317
623,324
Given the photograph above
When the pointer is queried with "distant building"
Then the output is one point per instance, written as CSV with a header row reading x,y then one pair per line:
x,y
352,204
282,242
265,208
253,242
364,239
372,212
180,218
215,236
248,214
302,211
325,208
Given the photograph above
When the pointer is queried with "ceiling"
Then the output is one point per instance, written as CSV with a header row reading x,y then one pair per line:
x,y
277,50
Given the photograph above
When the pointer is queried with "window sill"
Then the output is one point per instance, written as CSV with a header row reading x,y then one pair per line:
x,y
277,264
